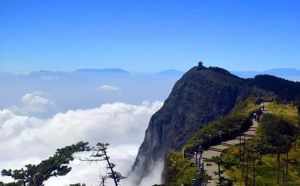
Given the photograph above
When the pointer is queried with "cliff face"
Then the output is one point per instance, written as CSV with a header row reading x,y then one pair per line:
x,y
201,95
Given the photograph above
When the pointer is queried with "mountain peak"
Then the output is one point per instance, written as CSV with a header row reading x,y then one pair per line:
x,y
200,96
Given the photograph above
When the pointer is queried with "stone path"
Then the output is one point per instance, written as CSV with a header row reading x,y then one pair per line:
x,y
210,167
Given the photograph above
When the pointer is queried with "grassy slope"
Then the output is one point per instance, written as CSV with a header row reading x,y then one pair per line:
x,y
287,111
266,174
230,125
180,170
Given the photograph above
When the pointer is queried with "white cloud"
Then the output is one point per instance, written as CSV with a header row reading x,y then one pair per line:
x,y
120,124
34,103
108,88
155,175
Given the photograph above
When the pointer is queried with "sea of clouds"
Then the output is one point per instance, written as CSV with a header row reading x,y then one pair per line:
x,y
43,111
27,138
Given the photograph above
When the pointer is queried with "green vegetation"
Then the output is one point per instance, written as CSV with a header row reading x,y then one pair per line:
x,y
276,134
284,90
56,165
268,159
179,170
297,104
10,184
224,128
288,112
272,157
222,181
266,169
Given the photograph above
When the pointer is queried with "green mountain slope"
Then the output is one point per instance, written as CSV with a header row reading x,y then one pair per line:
x,y
204,101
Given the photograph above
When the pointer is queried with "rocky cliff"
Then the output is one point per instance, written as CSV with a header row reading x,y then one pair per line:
x,y
201,95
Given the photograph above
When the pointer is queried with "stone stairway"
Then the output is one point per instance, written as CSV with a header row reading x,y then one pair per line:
x,y
210,167
215,151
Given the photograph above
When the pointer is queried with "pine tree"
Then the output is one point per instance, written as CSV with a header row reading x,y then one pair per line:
x,y
99,153
56,165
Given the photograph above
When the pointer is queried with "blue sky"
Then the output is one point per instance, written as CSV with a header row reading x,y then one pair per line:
x,y
148,36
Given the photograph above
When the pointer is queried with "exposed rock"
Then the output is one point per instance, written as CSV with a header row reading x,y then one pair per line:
x,y
200,96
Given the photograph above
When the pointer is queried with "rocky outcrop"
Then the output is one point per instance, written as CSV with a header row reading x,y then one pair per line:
x,y
200,96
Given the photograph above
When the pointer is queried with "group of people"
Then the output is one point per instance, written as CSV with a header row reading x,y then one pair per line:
x,y
199,164
257,114
198,157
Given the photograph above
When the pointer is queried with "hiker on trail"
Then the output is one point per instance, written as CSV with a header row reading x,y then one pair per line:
x,y
200,151
195,157
259,113
255,116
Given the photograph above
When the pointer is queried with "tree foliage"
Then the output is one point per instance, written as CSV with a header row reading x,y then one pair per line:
x,y
277,134
298,105
56,165
179,170
99,153
225,128
284,89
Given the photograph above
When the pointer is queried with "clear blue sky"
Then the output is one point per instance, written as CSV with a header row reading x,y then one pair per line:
x,y
148,35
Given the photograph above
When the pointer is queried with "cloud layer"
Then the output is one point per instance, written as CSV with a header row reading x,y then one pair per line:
x,y
25,139
108,88
34,103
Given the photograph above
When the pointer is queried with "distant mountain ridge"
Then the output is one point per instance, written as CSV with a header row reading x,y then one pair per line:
x,y
104,70
287,73
65,87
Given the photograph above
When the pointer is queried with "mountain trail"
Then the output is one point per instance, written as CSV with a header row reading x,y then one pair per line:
x,y
211,167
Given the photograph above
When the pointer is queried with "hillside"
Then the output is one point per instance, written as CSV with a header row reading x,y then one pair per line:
x,y
201,96
272,156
